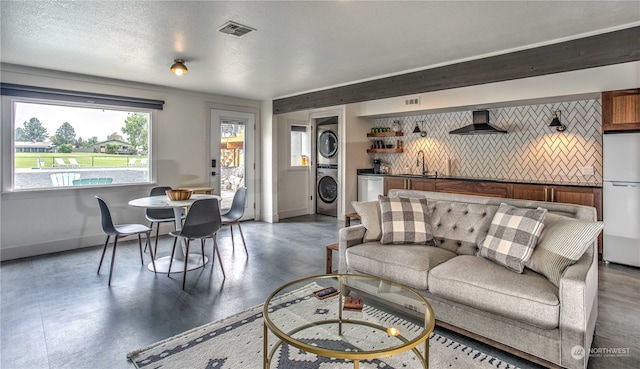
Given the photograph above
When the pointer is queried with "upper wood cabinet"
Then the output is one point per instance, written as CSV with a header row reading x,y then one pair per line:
x,y
481,188
621,110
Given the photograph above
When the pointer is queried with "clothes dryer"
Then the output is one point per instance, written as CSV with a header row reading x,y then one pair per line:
x,y
327,144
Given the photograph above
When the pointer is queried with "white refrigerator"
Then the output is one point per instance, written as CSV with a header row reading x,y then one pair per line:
x,y
621,198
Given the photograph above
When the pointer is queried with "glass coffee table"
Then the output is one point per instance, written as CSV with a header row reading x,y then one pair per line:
x,y
391,320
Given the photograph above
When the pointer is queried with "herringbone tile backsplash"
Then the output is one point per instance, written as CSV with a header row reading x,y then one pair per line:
x,y
531,151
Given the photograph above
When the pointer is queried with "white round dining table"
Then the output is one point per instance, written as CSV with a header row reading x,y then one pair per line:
x,y
193,260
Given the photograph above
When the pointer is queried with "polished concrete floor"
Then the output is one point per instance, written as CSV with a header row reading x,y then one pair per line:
x,y
58,313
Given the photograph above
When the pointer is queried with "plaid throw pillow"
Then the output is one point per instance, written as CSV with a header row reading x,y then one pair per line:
x,y
404,220
513,235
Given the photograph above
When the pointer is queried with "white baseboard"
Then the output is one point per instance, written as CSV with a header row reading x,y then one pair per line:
x,y
25,251
269,217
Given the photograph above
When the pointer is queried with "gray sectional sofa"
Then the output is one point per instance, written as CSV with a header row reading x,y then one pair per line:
x,y
524,312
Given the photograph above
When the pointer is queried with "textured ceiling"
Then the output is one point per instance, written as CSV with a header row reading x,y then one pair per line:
x,y
298,46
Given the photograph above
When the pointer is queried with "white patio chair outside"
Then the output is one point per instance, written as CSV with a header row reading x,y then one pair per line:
x,y
60,162
64,179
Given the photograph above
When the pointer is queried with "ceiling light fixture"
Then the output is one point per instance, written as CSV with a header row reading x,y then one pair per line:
x,y
179,68
555,122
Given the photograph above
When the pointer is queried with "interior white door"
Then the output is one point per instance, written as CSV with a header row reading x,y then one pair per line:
x,y
233,153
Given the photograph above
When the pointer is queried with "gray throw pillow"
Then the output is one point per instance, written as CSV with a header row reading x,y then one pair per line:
x,y
405,220
369,212
563,242
513,235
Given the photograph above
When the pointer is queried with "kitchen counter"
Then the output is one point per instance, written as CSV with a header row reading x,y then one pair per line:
x,y
436,175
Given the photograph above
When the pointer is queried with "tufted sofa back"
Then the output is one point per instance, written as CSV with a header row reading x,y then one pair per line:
x,y
459,223
459,227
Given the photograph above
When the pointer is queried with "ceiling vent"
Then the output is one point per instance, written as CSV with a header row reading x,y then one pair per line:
x,y
235,29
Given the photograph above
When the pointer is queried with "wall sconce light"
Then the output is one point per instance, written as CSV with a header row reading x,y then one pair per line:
x,y
179,68
555,122
417,129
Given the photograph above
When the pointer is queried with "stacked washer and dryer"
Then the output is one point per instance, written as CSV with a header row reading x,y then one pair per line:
x,y
327,167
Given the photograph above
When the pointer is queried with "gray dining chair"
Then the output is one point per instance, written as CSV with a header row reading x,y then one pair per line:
x,y
159,216
120,231
235,213
202,222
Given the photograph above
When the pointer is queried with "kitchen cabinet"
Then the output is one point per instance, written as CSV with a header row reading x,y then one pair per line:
x,y
621,110
422,184
394,183
409,183
530,192
588,196
578,195
481,188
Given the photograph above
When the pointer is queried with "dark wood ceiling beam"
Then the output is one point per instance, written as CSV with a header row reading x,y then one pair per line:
x,y
595,51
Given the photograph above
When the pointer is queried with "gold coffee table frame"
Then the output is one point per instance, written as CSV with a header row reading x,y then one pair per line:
x,y
403,345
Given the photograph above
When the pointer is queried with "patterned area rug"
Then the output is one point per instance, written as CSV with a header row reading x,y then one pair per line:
x,y
236,343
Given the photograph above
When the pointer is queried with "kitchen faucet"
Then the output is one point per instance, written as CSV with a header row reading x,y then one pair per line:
x,y
424,167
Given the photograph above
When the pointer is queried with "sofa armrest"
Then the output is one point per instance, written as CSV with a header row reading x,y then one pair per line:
x,y
348,237
578,310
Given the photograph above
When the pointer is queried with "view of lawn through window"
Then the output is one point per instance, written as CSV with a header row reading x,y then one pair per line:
x,y
60,145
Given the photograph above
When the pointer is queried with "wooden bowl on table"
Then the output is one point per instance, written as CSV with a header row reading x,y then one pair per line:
x,y
179,194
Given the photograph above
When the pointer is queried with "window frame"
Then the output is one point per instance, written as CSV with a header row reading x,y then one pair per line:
x,y
298,123
7,143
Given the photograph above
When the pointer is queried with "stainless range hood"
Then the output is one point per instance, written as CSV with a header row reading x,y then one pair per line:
x,y
480,125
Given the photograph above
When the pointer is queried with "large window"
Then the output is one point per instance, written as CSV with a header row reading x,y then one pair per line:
x,y
67,145
300,145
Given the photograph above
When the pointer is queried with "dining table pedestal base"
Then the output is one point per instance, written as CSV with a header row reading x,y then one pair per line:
x,y
162,264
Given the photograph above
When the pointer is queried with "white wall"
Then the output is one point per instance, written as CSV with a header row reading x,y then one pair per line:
x,y
356,157
37,222
268,163
293,184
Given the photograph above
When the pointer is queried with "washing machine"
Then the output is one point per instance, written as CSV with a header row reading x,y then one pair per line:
x,y
327,166
327,190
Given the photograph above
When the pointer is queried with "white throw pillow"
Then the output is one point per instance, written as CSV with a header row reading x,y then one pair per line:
x,y
369,212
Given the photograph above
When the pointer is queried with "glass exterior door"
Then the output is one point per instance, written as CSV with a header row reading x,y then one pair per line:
x,y
232,134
